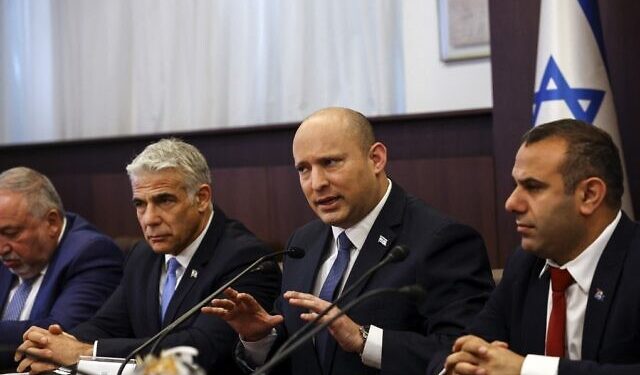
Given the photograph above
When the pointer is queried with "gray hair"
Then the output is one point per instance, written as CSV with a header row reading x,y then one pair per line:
x,y
173,153
39,192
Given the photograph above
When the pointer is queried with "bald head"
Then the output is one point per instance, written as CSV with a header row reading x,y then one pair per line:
x,y
349,123
341,167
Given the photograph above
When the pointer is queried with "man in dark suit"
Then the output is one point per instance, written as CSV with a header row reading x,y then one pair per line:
x,y
191,249
56,268
569,301
362,216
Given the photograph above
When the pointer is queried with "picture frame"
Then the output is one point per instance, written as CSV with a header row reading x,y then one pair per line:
x,y
464,29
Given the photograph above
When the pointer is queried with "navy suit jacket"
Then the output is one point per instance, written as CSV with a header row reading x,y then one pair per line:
x,y
448,259
82,273
517,310
132,314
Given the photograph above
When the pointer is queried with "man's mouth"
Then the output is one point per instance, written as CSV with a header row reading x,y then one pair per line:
x,y
523,227
157,238
327,201
11,263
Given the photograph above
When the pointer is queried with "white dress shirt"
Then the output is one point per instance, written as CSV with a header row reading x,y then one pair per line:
x,y
256,352
582,269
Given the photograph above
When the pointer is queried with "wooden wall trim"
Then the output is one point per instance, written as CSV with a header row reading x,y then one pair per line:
x,y
435,157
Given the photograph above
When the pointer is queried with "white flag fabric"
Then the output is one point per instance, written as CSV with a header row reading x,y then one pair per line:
x,y
571,73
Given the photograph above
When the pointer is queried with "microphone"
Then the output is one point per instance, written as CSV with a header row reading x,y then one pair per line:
x,y
397,254
415,292
293,252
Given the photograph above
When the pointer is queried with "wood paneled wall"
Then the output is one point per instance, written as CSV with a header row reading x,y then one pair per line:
x,y
445,159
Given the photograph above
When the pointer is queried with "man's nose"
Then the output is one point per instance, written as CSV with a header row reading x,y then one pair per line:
x,y
318,179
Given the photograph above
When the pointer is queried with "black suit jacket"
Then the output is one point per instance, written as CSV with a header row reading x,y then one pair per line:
x,y
448,259
131,315
517,310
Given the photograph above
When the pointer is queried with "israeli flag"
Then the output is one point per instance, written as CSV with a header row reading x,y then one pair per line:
x,y
571,74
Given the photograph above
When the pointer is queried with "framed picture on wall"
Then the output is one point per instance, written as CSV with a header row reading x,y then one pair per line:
x,y
464,29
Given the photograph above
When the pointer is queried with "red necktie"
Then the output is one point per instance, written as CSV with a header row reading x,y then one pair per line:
x,y
560,281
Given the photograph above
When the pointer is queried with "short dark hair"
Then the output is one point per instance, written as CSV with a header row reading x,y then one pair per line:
x,y
590,153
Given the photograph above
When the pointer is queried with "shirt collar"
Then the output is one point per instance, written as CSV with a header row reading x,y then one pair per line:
x,y
64,227
184,257
583,267
358,233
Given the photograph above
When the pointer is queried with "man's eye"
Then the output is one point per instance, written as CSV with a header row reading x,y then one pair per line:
x,y
330,162
10,233
532,187
166,200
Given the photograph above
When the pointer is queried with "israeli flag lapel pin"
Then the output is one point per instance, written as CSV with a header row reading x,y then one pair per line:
x,y
382,240
599,295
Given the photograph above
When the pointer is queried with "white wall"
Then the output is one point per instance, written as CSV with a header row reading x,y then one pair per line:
x,y
432,85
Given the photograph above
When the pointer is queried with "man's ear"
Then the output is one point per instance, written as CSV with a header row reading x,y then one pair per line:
x,y
378,156
53,218
204,197
591,193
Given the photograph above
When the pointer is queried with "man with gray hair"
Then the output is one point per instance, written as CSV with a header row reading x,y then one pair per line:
x,y
191,249
56,268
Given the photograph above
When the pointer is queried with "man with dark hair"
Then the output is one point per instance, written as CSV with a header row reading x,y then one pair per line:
x,y
191,249
56,267
569,300
362,216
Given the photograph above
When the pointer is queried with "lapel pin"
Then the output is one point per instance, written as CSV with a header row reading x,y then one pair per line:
x,y
599,295
194,274
382,240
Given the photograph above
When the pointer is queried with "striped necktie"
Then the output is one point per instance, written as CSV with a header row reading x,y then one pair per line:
x,y
14,309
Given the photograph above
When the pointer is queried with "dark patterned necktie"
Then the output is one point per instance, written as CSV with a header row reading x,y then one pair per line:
x,y
330,287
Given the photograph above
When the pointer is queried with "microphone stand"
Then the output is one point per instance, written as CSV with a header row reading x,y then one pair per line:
x,y
414,290
397,254
293,252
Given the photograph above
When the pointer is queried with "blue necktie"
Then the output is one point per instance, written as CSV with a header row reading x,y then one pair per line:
x,y
18,300
330,287
169,285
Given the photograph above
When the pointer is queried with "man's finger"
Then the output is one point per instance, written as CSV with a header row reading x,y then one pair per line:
x,y
24,365
466,368
41,367
298,295
230,293
223,304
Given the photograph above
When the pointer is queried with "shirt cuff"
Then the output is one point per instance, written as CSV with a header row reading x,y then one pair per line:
x,y
372,353
540,365
256,352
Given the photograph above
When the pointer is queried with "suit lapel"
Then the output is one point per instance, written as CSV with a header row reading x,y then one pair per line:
x,y
315,255
603,287
50,280
200,259
152,295
6,280
380,240
534,315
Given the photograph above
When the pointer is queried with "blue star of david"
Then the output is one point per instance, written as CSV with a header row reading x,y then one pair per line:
x,y
570,96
